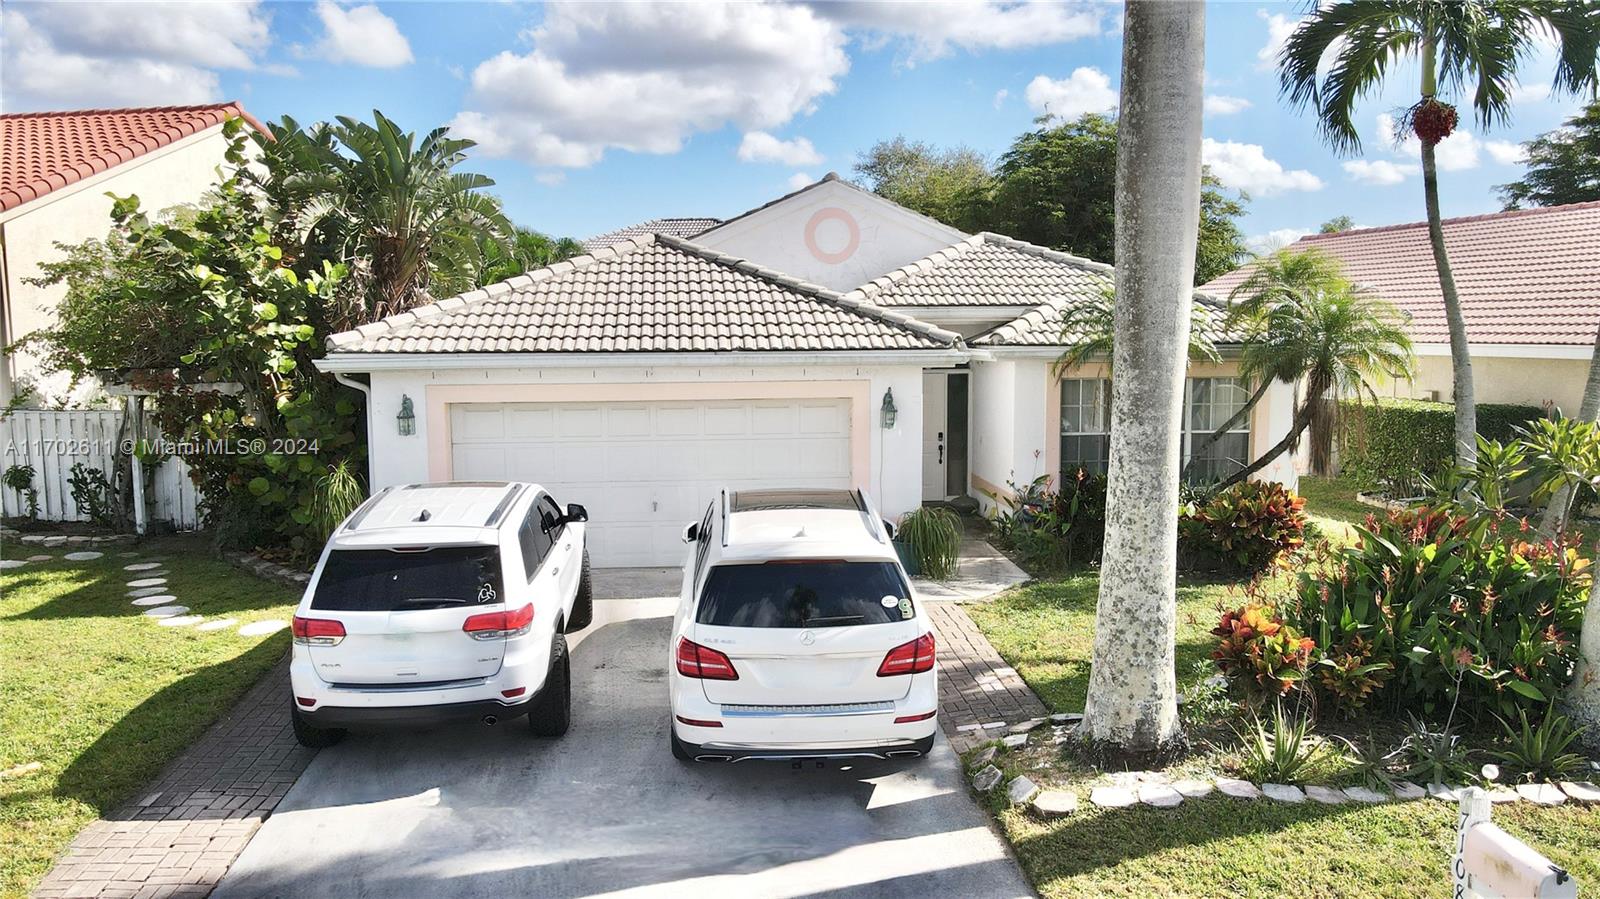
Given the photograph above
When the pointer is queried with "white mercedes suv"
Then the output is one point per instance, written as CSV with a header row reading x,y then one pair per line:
x,y
797,635
442,602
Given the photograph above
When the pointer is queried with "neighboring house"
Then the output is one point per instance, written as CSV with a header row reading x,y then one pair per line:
x,y
672,227
829,338
1529,282
56,169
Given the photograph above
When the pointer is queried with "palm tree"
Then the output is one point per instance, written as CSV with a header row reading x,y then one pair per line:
x,y
1588,410
1132,697
1324,330
1088,329
1461,45
527,250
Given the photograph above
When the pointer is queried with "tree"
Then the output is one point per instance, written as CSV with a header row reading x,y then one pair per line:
x,y
1088,330
1461,45
949,185
1337,224
1563,165
1132,698
527,250
1308,322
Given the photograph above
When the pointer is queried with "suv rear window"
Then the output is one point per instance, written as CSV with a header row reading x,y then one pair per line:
x,y
804,594
381,580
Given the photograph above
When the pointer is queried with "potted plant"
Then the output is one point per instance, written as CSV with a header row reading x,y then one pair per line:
x,y
928,540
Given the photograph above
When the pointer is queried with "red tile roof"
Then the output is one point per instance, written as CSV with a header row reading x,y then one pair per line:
x,y
45,151
1529,277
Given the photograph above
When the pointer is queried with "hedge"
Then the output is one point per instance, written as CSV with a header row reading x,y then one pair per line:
x,y
1396,442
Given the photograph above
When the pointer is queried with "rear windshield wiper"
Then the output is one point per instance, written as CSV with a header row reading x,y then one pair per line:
x,y
835,619
432,600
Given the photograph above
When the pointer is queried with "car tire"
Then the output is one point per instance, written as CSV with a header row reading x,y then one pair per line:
x,y
583,605
679,750
311,736
551,714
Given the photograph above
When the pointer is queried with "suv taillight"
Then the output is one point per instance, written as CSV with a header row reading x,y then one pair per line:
x,y
699,661
909,658
316,631
500,625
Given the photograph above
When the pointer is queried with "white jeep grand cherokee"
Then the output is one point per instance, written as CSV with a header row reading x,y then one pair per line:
x,y
797,635
442,602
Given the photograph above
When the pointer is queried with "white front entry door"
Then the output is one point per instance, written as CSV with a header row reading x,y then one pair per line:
x,y
935,430
644,470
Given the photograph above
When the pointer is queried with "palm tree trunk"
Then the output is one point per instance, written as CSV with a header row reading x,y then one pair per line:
x,y
1554,520
1460,357
1302,420
1132,697
1243,414
1583,695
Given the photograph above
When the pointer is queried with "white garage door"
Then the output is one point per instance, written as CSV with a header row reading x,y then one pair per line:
x,y
644,470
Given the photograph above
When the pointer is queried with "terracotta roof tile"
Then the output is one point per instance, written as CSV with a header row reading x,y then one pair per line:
x,y
1529,277
42,152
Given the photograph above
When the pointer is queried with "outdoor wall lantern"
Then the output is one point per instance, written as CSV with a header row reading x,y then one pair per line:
x,y
889,411
407,418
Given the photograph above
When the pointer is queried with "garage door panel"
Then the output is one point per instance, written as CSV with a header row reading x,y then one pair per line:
x,y
644,470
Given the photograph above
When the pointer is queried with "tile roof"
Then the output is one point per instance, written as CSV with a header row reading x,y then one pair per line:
x,y
832,178
42,152
672,227
993,270
654,293
1528,277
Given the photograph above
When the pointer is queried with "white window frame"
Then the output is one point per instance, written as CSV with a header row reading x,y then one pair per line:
x,y
1103,387
1190,434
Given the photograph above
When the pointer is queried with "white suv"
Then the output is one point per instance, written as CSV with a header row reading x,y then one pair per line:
x,y
442,602
797,635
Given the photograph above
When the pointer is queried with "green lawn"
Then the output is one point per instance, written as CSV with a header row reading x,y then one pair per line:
x,y
102,696
1331,504
1218,846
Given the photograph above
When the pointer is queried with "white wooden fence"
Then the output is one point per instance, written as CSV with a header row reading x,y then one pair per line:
x,y
52,442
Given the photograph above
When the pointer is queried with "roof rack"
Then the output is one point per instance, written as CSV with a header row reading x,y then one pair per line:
x,y
874,521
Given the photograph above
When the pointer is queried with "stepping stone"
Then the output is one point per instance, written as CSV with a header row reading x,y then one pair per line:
x,y
1583,791
165,611
1066,718
1542,794
1113,797
1503,794
33,539
1063,736
1238,789
1326,795
1490,772
141,566
1193,789
1055,803
217,624
146,591
40,558
1283,792
154,599
1406,791
1021,790
1160,796
1365,794
128,555
12,563
993,725
1023,727
987,779
1015,741
964,728
1447,793
262,628
52,542
87,555
147,582
982,759
21,770
181,620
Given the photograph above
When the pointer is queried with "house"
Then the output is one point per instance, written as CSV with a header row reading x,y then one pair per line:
x,y
672,227
56,171
1529,282
828,338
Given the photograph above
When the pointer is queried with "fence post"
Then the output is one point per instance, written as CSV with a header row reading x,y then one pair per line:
x,y
1492,863
135,420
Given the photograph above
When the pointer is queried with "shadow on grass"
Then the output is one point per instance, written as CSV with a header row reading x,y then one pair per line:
x,y
98,589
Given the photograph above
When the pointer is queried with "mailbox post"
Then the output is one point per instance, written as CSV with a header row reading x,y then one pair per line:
x,y
1492,864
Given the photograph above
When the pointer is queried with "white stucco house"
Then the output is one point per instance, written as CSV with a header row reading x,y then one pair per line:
x,y
828,338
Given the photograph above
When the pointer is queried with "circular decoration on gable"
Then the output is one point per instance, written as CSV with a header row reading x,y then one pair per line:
x,y
837,250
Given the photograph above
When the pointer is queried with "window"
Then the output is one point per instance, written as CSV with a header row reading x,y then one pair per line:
x,y
381,580
804,594
550,516
704,539
534,541
1085,424
1211,402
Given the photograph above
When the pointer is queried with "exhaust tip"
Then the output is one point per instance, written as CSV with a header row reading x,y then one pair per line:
x,y
491,720
904,754
713,758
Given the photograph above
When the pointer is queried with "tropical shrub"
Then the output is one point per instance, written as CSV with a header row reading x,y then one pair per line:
x,y
1429,609
1241,530
1055,528
20,479
95,495
1435,755
1282,749
1402,445
1370,763
1541,753
1260,653
933,536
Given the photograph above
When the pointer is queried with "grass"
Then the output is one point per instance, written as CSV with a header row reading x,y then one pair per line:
x,y
102,696
1331,503
1219,846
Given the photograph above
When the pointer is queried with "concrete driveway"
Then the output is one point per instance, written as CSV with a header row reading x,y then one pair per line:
x,y
606,810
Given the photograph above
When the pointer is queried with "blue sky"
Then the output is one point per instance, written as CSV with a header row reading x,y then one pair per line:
x,y
595,116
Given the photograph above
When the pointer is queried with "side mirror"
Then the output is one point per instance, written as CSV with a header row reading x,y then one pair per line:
x,y
691,532
577,513
888,527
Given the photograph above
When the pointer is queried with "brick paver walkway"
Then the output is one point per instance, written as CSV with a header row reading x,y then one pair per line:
x,y
178,837
976,686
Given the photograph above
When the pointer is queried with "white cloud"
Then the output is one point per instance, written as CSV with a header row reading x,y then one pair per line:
x,y
1279,28
1247,167
125,54
1505,152
1456,153
1529,93
1000,97
1220,105
1087,89
1274,240
554,178
644,78
799,180
1381,172
362,35
759,146
932,30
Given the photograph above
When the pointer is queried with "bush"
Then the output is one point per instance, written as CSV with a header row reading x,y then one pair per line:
x,y
933,536
1396,443
1242,530
1055,528
1429,609
1260,653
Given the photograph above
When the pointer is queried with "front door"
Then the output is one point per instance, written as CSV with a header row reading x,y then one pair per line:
x,y
935,428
